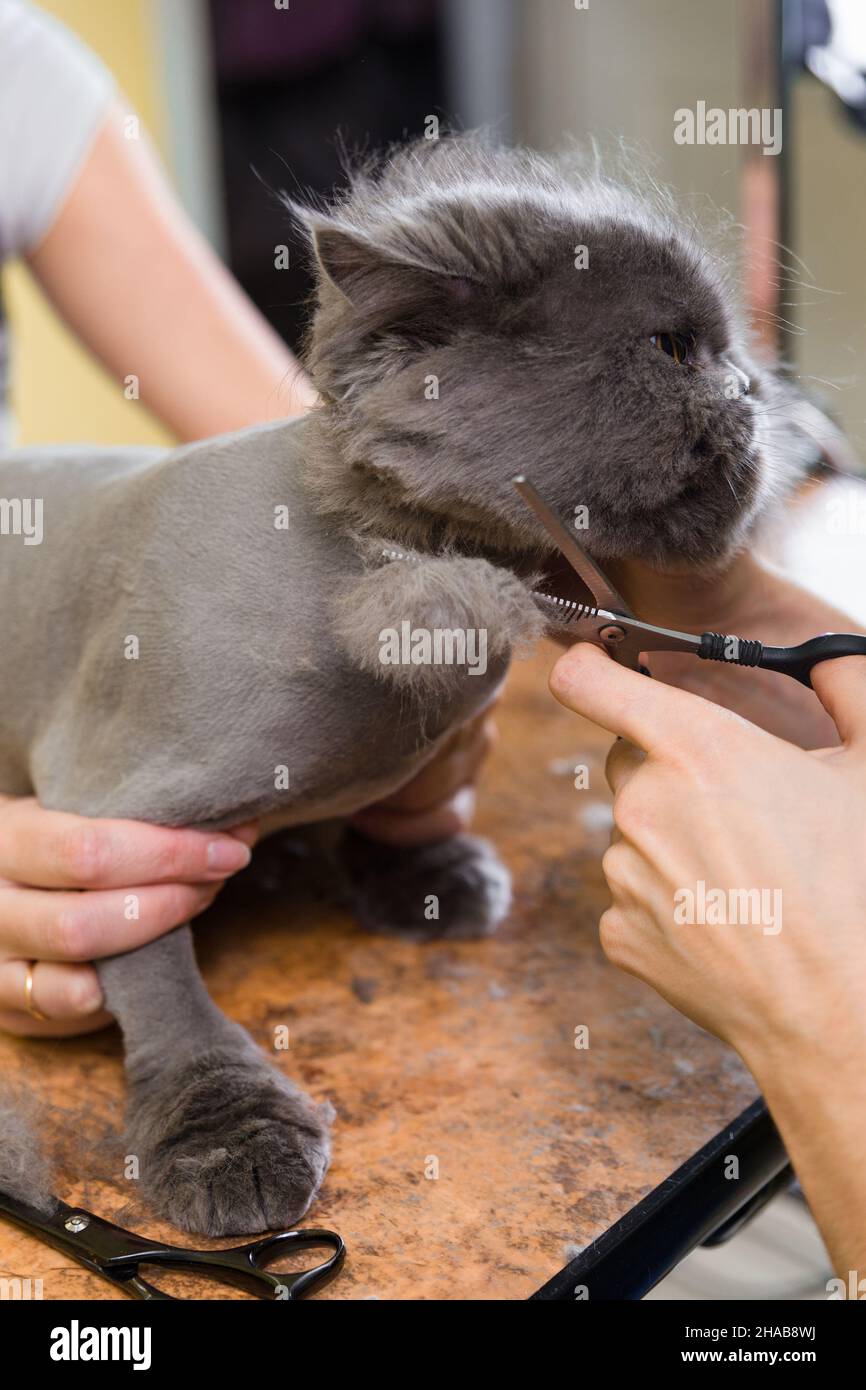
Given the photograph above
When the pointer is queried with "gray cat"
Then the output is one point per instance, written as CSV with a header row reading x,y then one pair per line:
x,y
174,643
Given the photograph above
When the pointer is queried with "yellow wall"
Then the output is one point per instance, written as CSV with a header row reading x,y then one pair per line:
x,y
58,391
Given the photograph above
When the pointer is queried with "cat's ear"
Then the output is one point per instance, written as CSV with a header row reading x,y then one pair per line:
x,y
344,257
362,271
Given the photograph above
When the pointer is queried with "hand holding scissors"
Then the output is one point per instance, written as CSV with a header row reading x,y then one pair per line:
x,y
611,624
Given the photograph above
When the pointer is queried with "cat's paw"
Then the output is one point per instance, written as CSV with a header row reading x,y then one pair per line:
x,y
456,888
227,1146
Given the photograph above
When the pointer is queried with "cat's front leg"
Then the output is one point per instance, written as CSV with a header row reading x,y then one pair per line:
x,y
226,1145
440,630
456,887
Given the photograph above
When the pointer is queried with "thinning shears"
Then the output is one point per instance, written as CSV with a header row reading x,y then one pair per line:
x,y
609,622
118,1255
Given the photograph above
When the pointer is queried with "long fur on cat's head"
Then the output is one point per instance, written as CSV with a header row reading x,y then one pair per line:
x,y
484,311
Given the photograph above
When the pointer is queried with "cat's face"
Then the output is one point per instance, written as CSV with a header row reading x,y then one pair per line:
x,y
480,319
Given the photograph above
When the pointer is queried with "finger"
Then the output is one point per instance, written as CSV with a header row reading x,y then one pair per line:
x,y
623,761
405,829
453,767
60,992
475,739
841,687
52,849
24,1025
649,713
625,871
248,832
623,931
438,782
38,925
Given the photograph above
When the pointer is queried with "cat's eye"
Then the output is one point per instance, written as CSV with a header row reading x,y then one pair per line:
x,y
679,346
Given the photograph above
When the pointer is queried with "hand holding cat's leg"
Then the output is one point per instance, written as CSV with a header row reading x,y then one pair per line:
x,y
440,799
226,1144
411,869
64,884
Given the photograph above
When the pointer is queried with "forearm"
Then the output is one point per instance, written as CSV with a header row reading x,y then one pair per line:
x,y
817,1097
142,288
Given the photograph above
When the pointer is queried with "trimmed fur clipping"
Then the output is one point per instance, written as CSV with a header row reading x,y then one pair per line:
x,y
24,1170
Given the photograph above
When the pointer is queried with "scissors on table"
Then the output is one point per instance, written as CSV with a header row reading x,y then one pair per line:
x,y
117,1255
610,623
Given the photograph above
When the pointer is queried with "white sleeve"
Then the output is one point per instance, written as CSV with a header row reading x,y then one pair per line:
x,y
54,93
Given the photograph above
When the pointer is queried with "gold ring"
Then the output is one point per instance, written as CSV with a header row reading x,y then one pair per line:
x,y
28,994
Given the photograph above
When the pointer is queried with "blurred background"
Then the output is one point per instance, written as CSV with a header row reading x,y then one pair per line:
x,y
246,96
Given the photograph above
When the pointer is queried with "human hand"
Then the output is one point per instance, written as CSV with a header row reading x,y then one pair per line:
x,y
749,599
774,834
704,797
439,801
67,884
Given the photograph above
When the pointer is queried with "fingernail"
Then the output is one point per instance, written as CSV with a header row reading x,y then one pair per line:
x,y
226,856
87,997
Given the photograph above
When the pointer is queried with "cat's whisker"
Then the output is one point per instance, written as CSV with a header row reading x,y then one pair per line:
x,y
780,245
823,381
731,486
766,316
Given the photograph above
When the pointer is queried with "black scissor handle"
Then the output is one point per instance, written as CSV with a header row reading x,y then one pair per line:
x,y
796,662
244,1266
119,1255
292,1286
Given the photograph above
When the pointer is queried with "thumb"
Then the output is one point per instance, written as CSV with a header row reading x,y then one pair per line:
x,y
648,713
841,687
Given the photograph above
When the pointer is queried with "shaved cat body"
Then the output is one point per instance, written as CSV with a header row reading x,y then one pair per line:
x,y
174,642
171,654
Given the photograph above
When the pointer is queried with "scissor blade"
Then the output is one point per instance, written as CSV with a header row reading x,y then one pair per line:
x,y
603,592
624,638
51,1226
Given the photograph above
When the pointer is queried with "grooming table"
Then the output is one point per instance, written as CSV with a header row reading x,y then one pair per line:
x,y
458,1059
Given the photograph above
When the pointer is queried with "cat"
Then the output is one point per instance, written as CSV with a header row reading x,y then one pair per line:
x,y
169,650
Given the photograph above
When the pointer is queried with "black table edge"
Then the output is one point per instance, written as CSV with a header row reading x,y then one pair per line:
x,y
702,1202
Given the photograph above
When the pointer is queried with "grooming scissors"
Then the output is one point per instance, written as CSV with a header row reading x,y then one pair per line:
x,y
609,622
117,1255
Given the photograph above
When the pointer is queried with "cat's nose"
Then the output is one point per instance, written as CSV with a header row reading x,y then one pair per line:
x,y
743,382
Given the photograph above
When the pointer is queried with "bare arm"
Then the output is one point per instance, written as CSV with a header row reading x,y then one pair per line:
x,y
142,288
